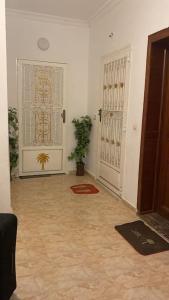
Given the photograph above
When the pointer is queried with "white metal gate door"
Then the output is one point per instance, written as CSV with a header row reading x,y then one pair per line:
x,y
113,115
41,96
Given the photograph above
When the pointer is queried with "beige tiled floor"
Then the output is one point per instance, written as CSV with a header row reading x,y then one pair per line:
x,y
67,247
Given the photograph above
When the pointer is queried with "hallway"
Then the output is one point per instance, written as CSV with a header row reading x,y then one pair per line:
x,y
67,248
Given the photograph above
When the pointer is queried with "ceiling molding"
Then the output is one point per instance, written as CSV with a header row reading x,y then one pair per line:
x,y
108,6
45,18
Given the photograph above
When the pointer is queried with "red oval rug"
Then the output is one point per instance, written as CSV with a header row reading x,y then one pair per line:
x,y
84,189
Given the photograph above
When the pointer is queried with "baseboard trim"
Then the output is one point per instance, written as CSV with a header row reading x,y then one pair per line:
x,y
116,196
90,174
126,203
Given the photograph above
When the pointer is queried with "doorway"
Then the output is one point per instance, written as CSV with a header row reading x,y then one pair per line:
x,y
153,189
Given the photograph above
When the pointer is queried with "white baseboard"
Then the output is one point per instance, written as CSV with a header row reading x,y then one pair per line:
x,y
127,203
90,173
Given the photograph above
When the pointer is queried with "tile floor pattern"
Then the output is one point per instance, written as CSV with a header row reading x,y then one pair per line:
x,y
67,248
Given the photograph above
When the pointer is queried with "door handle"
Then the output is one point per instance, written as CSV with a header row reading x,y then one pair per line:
x,y
63,115
100,114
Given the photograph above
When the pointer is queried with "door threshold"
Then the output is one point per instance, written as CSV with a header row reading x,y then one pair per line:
x,y
158,223
40,175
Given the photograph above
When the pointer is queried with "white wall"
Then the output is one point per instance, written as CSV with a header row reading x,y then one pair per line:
x,y
69,43
4,156
131,21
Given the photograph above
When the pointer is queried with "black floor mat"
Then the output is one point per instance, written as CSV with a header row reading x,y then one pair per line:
x,y
142,238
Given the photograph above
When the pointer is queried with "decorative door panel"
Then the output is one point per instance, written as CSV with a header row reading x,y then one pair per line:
x,y
39,161
42,127
41,93
113,114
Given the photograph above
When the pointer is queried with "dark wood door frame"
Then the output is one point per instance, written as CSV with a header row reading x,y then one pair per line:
x,y
150,139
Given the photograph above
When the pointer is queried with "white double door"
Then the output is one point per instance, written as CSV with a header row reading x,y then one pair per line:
x,y
113,116
42,117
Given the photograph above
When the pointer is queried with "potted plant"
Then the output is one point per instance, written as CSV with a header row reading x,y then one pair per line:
x,y
83,127
13,138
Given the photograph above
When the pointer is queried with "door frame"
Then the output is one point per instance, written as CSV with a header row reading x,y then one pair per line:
x,y
19,62
115,55
147,201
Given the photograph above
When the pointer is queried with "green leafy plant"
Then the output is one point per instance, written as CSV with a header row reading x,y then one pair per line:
x,y
83,127
13,138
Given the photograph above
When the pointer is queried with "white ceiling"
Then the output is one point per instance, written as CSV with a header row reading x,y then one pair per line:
x,y
78,9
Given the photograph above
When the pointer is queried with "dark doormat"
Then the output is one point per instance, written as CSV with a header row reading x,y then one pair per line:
x,y
142,238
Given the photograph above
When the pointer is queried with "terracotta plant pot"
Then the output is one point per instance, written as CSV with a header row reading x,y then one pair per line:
x,y
79,169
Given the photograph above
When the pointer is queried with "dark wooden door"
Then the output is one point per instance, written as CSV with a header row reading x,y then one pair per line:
x,y
163,175
153,185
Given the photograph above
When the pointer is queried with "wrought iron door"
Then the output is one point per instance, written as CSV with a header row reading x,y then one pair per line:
x,y
41,117
113,115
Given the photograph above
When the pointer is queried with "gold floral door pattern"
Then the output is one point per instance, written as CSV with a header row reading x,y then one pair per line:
x,y
113,111
42,97
42,128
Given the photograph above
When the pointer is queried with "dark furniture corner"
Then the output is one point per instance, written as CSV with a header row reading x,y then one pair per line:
x,y
8,231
